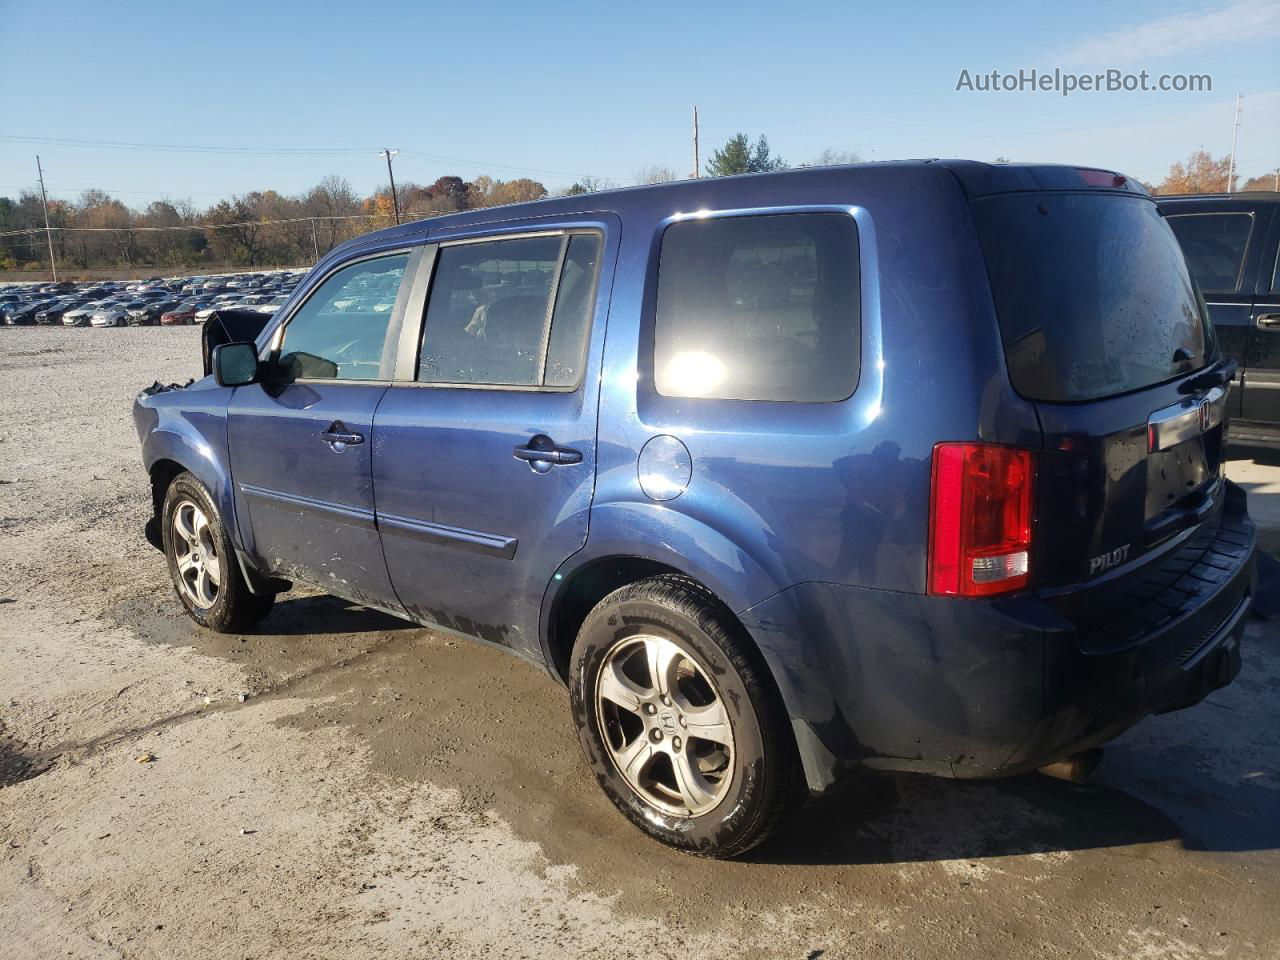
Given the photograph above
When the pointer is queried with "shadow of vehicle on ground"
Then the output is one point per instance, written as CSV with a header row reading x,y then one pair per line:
x,y
321,614
468,717
1207,778
898,818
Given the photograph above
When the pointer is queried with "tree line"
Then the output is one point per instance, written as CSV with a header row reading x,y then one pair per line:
x,y
249,230
264,228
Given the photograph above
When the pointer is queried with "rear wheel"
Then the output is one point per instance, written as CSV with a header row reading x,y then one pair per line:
x,y
202,562
678,720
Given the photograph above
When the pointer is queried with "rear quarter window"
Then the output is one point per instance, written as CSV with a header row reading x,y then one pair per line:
x,y
759,308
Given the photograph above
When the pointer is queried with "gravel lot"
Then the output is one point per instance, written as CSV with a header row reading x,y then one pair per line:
x,y
384,791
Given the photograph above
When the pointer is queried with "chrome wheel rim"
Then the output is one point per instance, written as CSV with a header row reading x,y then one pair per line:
x,y
665,726
196,553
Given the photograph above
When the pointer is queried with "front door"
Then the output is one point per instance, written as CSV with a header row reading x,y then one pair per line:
x,y
484,460
301,442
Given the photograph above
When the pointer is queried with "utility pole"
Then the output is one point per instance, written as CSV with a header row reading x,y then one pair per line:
x,y
44,201
395,201
315,244
697,165
1235,129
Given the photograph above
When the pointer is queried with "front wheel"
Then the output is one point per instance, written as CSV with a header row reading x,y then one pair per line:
x,y
202,562
678,720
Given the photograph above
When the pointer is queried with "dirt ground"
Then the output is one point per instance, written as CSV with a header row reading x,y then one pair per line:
x,y
382,791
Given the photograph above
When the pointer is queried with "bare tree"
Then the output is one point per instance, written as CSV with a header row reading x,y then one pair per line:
x,y
331,198
833,158
655,174
589,184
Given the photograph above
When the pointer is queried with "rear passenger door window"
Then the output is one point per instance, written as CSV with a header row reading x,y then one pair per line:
x,y
340,332
510,312
1215,245
759,308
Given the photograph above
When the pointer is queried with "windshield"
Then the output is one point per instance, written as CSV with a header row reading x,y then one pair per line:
x,y
1092,294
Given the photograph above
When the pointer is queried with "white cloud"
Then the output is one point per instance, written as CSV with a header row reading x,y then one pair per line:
x,y
1209,28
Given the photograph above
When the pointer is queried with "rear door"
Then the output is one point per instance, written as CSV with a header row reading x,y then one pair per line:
x,y
1262,394
485,447
1104,331
301,442
1221,240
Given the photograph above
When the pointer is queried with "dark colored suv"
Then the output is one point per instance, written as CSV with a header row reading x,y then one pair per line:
x,y
909,465
1232,244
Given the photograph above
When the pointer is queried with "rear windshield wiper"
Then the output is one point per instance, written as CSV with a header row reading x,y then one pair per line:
x,y
1220,373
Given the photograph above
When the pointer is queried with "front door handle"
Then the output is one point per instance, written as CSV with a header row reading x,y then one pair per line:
x,y
339,437
541,453
1269,319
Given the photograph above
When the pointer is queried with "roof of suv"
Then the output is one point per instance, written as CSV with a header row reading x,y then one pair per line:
x,y
975,178
1252,196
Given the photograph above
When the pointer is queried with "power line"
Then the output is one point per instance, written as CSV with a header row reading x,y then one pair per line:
x,y
426,215
284,151
185,147
1136,105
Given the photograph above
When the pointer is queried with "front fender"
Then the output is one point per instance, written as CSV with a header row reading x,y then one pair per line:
x,y
189,428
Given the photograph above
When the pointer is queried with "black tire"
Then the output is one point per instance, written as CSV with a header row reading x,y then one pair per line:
x,y
760,780
233,607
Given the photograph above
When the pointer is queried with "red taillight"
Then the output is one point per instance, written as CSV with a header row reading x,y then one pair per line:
x,y
980,519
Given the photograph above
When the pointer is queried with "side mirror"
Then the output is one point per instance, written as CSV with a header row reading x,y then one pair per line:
x,y
235,364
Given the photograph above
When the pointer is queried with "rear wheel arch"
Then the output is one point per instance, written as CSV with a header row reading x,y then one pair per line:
x,y
580,591
583,589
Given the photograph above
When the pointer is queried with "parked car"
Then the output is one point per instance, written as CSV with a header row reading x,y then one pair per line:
x,y
24,314
79,316
879,466
110,315
147,313
272,305
1232,242
183,313
54,312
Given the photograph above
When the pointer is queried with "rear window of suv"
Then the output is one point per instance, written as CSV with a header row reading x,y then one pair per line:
x,y
1092,294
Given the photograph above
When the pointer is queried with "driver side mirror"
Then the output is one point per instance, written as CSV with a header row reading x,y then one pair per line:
x,y
235,364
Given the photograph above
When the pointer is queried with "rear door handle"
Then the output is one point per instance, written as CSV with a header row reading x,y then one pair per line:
x,y
541,453
1269,319
339,437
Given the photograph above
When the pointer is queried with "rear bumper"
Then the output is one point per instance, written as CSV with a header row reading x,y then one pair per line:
x,y
983,689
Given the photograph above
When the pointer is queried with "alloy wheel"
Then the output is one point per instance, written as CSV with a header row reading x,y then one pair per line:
x,y
665,725
196,553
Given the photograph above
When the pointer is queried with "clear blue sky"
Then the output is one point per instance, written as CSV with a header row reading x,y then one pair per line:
x,y
557,90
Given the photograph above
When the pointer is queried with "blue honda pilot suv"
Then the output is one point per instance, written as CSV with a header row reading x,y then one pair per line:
x,y
913,466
